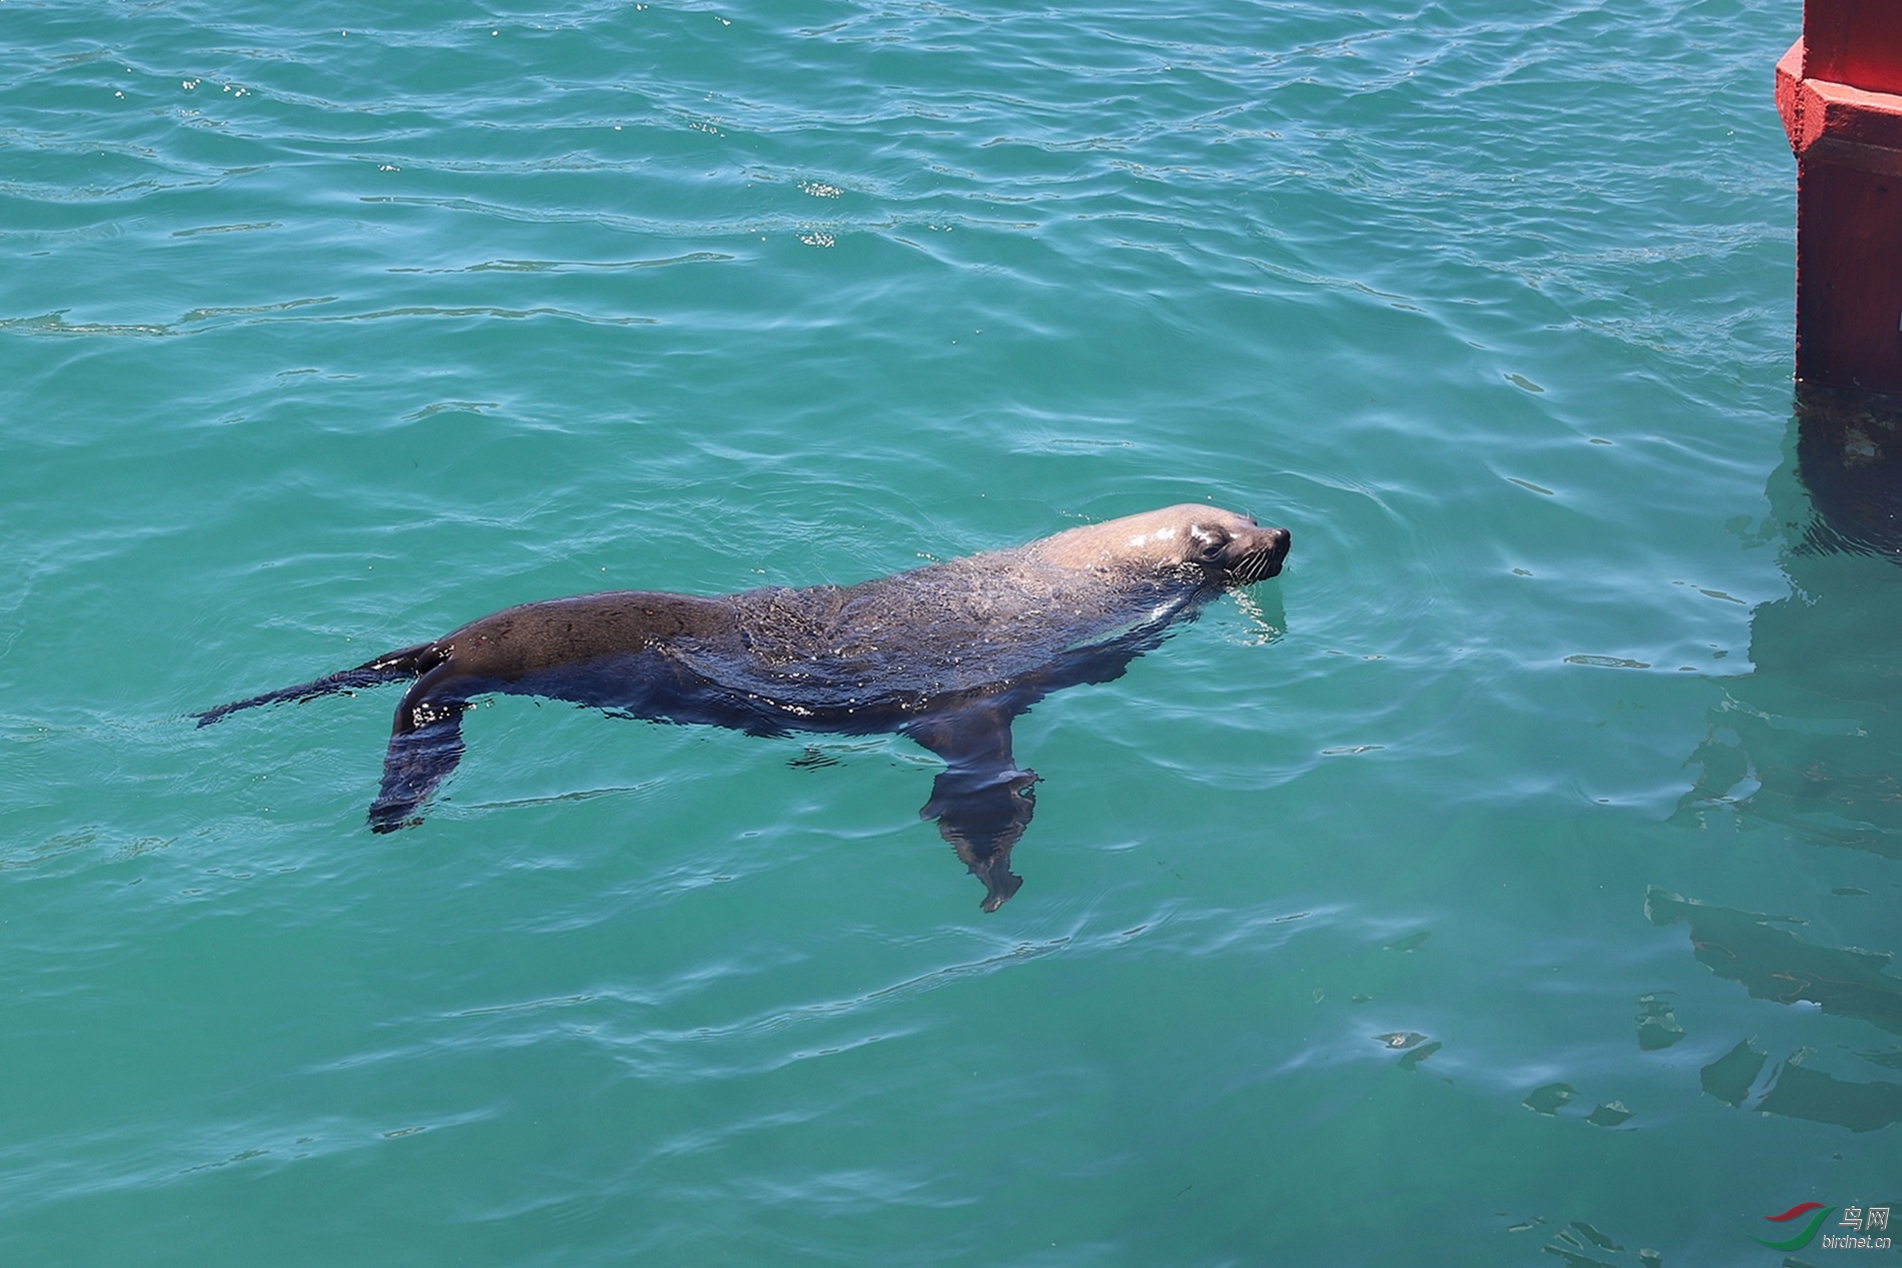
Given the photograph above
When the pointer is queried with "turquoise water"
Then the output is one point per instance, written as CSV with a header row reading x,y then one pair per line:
x,y
1511,878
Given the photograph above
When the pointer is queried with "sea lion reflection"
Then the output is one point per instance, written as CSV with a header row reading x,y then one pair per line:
x,y
947,654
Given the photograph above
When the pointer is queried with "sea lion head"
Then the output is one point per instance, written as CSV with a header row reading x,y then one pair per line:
x,y
1227,548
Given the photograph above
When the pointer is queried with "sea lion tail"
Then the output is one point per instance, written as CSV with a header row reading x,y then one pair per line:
x,y
389,667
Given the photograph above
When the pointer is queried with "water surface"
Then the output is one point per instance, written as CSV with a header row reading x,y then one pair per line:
x,y
1513,877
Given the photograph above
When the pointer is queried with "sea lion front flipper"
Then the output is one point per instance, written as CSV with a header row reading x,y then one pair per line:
x,y
425,745
981,801
982,819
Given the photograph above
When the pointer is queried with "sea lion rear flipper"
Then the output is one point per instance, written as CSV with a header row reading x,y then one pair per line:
x,y
981,801
406,662
425,745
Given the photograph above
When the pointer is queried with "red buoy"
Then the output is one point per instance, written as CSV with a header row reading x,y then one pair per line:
x,y
1839,90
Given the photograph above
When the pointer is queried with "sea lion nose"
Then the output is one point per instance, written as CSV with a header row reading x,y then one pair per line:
x,y
1278,542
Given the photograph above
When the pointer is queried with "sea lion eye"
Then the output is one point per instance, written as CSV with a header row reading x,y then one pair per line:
x,y
1213,550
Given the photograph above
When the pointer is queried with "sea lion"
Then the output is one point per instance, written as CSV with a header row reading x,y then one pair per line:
x,y
947,654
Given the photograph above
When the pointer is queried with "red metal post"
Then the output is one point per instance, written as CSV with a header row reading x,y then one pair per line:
x,y
1839,90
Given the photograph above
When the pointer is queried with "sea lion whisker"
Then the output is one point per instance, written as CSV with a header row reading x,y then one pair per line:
x,y
1251,567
